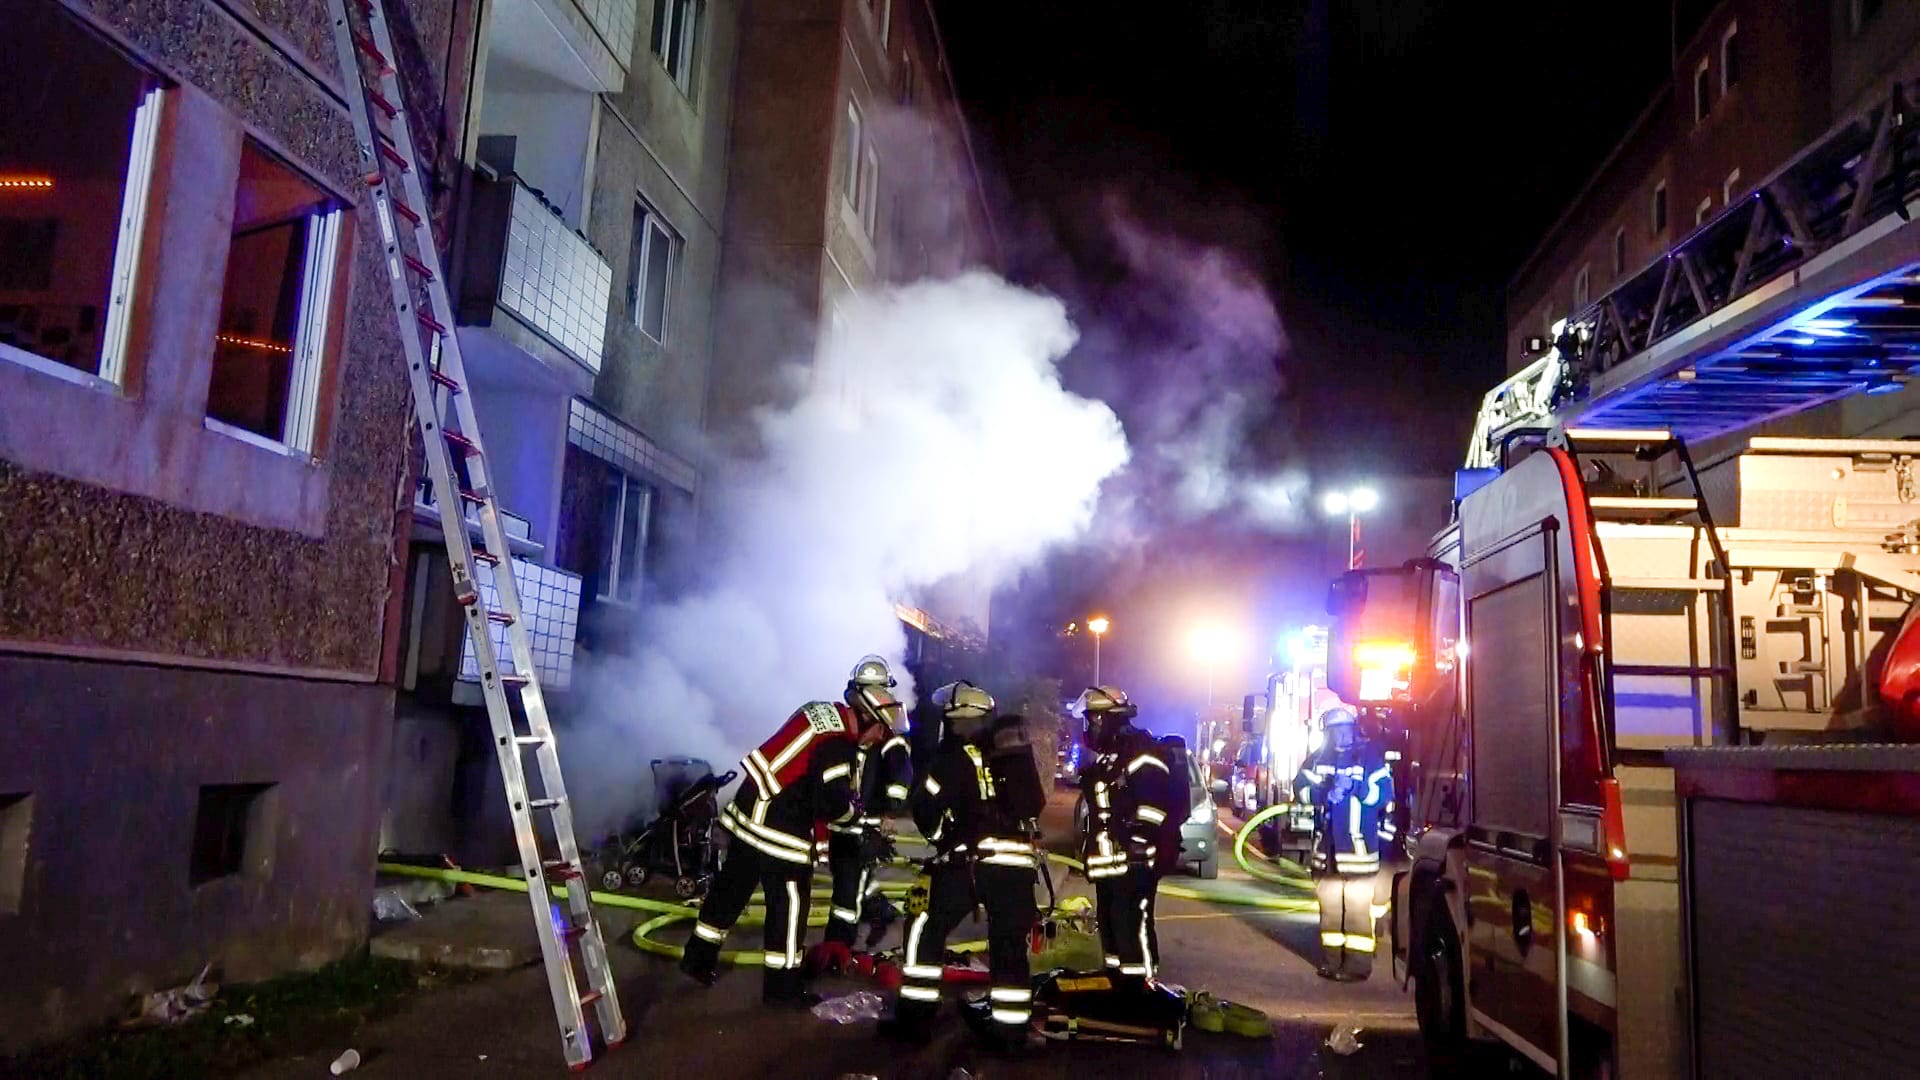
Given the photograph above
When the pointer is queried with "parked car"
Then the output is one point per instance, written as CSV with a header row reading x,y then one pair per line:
x,y
1247,781
1199,839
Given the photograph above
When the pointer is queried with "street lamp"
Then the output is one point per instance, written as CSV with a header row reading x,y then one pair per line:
x,y
1098,624
1352,504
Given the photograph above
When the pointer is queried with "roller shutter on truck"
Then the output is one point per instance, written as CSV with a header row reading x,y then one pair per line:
x,y
1803,922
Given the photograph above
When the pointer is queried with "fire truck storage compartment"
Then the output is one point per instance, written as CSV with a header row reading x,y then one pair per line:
x,y
1864,486
1799,865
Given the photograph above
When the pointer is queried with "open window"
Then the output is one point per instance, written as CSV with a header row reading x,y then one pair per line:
x,y
77,142
650,266
626,519
276,305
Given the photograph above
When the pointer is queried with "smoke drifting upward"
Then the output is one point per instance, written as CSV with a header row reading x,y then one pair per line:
x,y
930,437
1185,340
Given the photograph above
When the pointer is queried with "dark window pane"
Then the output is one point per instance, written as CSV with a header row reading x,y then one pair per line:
x,y
1731,59
633,540
610,490
653,315
67,126
662,14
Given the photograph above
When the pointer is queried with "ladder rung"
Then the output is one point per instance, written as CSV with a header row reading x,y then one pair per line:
x,y
373,52
515,680
391,152
562,871
403,210
500,617
418,267
543,804
589,998
445,380
460,441
485,556
529,740
380,102
430,322
472,496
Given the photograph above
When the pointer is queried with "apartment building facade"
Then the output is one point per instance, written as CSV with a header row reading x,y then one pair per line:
x,y
594,169
203,425
1753,83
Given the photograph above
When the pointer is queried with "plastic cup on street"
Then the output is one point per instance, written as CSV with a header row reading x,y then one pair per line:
x,y
346,1062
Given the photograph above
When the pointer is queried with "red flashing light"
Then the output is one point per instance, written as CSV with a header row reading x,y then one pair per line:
x,y
1614,829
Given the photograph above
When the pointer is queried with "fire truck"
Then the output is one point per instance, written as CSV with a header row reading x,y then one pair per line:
x,y
1658,825
1286,719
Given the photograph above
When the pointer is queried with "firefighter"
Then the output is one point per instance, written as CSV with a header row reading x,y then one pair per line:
x,y
1349,782
1133,831
853,847
803,775
979,806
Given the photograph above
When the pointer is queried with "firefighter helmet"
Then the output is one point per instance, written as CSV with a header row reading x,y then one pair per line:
x,y
1339,714
872,670
1106,710
870,693
965,709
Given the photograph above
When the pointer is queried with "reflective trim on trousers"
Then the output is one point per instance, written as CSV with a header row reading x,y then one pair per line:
x,y
1146,941
794,915
709,933
1152,815
921,971
1024,861
1010,993
846,915
1011,1016
1112,961
896,791
920,993
1333,939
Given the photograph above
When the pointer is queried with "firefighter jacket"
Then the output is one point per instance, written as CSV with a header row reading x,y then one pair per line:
x,y
884,776
1352,793
967,806
804,775
1131,811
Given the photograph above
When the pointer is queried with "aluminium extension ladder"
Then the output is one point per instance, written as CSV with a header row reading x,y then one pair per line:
x,y
447,428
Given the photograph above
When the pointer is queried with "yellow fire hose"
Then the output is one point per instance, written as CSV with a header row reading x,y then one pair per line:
x,y
666,913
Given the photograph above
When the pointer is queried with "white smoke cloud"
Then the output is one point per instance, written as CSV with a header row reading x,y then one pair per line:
x,y
930,437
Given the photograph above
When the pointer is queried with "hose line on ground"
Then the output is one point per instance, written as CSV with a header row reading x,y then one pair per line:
x,y
1298,880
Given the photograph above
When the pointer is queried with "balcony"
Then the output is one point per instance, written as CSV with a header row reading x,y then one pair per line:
x,y
550,610
523,260
587,43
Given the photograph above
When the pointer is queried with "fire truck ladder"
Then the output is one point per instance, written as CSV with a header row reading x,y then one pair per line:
x,y
1643,500
454,453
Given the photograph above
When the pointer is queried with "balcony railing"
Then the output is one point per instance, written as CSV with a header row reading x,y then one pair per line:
x,y
522,258
550,610
614,21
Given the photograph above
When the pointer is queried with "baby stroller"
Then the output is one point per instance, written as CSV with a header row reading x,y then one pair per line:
x,y
680,841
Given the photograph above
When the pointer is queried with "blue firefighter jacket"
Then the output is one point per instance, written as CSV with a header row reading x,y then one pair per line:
x,y
1352,793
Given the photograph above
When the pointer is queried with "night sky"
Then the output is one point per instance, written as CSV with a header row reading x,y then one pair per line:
x,y
1382,167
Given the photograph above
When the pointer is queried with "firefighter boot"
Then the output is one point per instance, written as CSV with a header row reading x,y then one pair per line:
x,y
787,989
700,962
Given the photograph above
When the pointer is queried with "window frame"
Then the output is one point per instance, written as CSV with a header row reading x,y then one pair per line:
x,y
869,202
884,14
686,30
1582,287
850,185
1702,211
1619,251
321,292
1729,68
1662,212
1702,90
111,372
608,568
648,224
1727,187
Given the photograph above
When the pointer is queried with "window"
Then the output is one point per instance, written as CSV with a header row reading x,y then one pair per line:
x,y
870,190
883,14
1660,207
650,265
1700,212
852,178
275,306
76,143
1619,251
16,821
233,831
626,511
676,28
1729,58
1582,288
1862,12
1729,188
906,80
1702,87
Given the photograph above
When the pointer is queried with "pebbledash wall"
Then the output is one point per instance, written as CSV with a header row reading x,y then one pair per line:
x,y
193,623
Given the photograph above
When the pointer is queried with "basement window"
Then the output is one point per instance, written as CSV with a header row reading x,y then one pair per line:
x,y
276,305
77,143
16,821
233,830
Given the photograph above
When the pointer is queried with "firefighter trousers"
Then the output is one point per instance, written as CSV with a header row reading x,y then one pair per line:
x,y
1124,909
1007,894
847,862
1350,908
787,885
